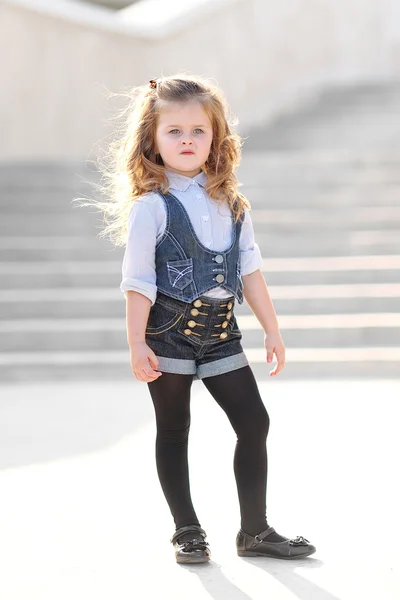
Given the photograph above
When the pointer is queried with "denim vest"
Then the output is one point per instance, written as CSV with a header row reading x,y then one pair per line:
x,y
185,268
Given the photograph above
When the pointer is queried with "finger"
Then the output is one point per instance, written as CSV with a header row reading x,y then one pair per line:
x,y
144,367
152,371
150,379
149,367
270,354
138,375
280,357
153,360
150,374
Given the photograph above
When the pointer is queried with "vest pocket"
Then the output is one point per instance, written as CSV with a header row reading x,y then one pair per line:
x,y
180,273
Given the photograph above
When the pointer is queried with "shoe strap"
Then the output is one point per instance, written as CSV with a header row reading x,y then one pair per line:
x,y
260,537
193,545
187,529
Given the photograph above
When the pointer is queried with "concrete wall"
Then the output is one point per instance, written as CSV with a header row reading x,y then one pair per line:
x,y
58,58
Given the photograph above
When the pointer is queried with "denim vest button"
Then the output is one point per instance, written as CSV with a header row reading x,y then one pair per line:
x,y
197,303
188,332
223,335
228,315
219,259
220,278
192,323
224,324
194,312
229,305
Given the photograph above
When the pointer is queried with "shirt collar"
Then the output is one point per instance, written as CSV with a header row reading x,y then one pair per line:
x,y
182,183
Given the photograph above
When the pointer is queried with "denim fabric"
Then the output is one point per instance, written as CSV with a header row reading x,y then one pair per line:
x,y
199,338
185,268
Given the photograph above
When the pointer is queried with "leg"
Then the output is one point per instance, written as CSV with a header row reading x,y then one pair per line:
x,y
171,398
237,394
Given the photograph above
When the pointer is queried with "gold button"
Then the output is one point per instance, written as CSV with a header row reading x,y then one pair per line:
x,y
197,303
224,324
192,323
188,332
228,315
220,278
223,335
194,312
229,305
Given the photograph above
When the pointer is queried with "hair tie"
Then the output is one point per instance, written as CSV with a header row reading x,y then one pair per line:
x,y
153,83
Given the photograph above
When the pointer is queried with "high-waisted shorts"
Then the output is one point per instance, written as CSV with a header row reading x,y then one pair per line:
x,y
199,338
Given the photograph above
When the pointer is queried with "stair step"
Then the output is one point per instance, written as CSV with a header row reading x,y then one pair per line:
x,y
48,201
73,221
373,217
273,244
57,248
298,330
110,302
116,308
29,175
64,223
345,198
270,265
379,362
357,290
352,238
280,194
246,323
255,355
279,271
312,178
111,278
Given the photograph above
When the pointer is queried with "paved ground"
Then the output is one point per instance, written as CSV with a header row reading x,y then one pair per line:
x,y
83,516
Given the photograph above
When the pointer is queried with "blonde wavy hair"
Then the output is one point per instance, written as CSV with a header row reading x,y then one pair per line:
x,y
130,167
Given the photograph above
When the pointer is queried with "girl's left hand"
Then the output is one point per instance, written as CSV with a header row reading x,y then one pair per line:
x,y
273,343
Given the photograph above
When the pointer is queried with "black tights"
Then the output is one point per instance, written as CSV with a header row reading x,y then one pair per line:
x,y
237,394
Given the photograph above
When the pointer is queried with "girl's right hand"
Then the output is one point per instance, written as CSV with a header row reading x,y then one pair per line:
x,y
144,362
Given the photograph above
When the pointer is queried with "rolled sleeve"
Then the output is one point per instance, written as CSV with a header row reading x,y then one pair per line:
x,y
250,254
138,266
129,284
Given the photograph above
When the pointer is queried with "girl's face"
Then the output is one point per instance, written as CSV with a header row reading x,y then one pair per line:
x,y
183,137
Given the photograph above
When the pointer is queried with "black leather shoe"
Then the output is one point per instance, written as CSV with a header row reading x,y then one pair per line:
x,y
193,548
258,545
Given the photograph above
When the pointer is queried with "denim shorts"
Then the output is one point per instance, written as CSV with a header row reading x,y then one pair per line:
x,y
199,338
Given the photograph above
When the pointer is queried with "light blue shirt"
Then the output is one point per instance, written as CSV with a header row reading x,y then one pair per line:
x,y
211,221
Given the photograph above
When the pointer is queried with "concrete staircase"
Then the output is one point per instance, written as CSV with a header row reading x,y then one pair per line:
x,y
325,189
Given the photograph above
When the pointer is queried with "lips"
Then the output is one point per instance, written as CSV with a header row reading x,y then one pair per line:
x,y
187,152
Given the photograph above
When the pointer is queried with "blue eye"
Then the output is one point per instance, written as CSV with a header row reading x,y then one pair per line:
x,y
197,130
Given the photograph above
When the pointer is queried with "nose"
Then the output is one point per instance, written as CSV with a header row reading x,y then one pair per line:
x,y
187,141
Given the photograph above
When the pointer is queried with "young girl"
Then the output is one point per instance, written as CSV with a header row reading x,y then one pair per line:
x,y
190,257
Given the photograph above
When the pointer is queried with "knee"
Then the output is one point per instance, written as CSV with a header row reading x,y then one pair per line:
x,y
173,429
255,426
173,438
263,423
